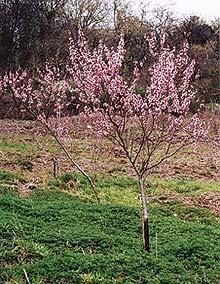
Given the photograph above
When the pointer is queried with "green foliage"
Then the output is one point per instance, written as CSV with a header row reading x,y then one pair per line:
x,y
58,238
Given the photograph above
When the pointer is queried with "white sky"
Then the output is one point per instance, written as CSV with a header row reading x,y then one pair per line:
x,y
208,9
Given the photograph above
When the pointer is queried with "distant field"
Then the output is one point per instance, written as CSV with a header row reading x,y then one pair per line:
x,y
52,231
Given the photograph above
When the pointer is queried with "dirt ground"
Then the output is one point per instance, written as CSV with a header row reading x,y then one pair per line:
x,y
29,151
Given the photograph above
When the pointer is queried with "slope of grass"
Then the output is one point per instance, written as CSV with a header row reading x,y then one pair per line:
x,y
55,237
184,186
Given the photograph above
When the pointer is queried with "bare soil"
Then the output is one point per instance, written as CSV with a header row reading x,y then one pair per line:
x,y
99,157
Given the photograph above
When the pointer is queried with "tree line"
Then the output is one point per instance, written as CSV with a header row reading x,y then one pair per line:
x,y
35,31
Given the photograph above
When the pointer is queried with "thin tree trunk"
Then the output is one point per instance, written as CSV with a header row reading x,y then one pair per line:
x,y
78,167
68,155
145,220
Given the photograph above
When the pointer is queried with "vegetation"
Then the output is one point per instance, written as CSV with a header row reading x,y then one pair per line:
x,y
56,237
53,232
63,67
35,31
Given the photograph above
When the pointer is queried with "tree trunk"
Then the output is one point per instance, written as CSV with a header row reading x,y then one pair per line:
x,y
145,222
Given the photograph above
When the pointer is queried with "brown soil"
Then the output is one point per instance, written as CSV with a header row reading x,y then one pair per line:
x,y
99,156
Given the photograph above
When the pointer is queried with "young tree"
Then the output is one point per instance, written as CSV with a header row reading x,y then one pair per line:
x,y
150,124
44,95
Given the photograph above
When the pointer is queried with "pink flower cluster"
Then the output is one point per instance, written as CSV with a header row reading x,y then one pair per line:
x,y
42,93
140,122
155,120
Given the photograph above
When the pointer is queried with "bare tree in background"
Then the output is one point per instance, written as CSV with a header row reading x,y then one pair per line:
x,y
22,23
89,13
160,18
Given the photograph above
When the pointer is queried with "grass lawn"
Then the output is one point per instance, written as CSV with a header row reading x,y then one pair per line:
x,y
59,235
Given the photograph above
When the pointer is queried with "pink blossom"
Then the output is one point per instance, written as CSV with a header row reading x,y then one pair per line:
x,y
142,124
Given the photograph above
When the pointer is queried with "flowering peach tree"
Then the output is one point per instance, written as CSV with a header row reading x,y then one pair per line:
x,y
43,94
150,124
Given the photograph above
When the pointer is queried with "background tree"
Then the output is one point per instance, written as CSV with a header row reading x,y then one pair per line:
x,y
204,40
32,32
88,13
22,23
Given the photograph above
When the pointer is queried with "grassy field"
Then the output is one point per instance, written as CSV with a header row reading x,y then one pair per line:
x,y
52,231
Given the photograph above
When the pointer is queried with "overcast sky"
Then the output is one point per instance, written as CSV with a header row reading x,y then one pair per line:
x,y
209,9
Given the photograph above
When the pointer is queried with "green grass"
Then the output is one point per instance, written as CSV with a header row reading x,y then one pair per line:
x,y
8,146
117,190
122,190
9,182
55,236
8,176
184,186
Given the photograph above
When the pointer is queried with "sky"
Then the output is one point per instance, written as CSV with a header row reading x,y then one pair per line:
x,y
208,9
